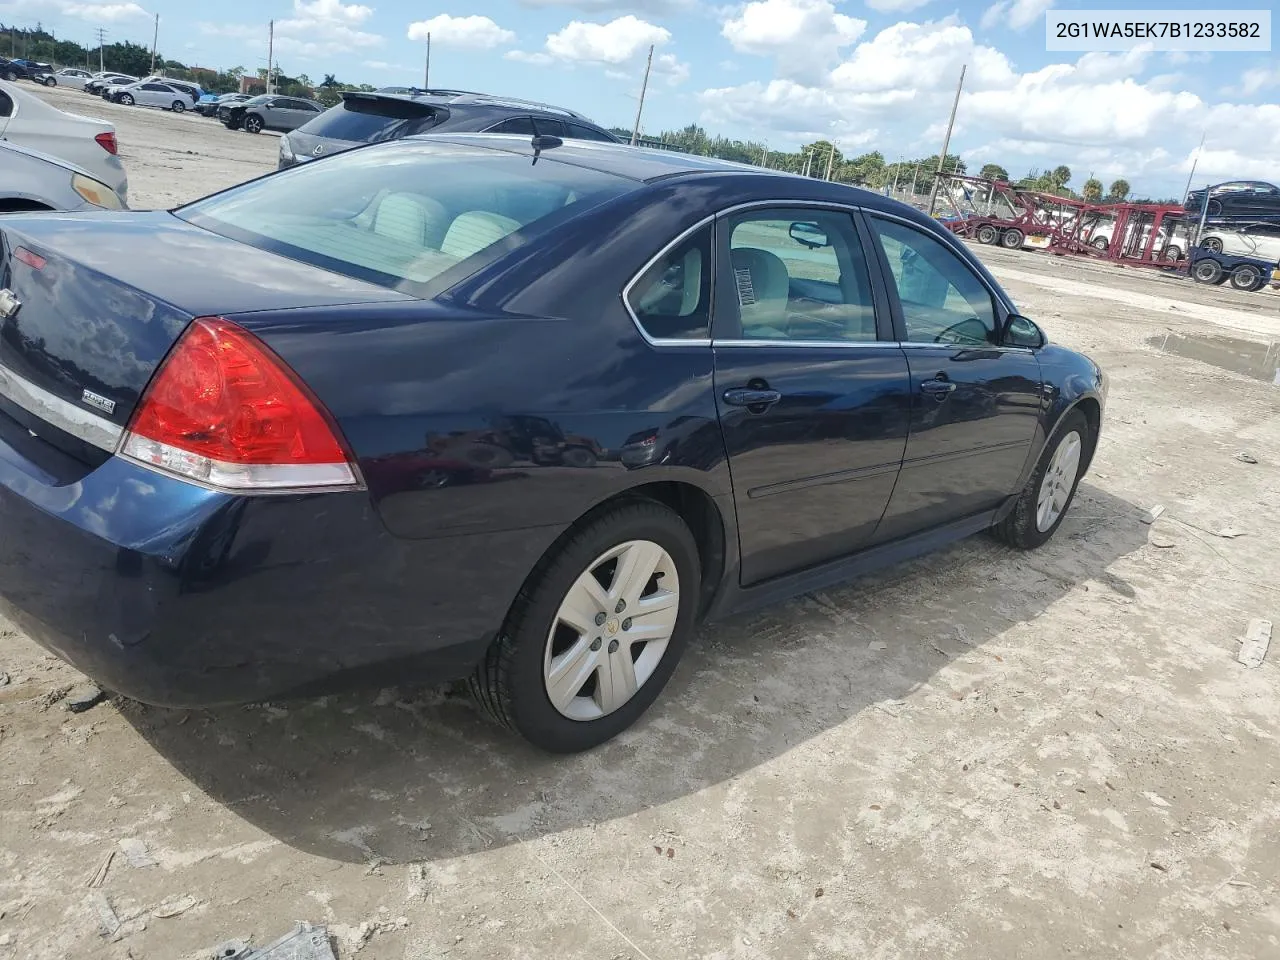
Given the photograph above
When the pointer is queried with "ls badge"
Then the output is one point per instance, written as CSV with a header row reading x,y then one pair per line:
x,y
102,403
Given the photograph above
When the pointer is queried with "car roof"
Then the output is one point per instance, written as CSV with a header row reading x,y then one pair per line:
x,y
634,163
464,98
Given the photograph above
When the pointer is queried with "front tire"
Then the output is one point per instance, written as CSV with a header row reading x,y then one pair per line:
x,y
596,631
1212,243
51,82
126,99
1100,243
178,106
1044,501
1207,271
253,124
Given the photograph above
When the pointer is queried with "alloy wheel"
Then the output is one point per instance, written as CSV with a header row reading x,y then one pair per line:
x,y
612,630
1058,481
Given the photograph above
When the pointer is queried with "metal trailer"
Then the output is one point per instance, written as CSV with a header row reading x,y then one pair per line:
x,y
1249,274
988,211
1142,234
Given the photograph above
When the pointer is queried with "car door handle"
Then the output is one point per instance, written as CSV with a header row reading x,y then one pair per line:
x,y
744,397
937,387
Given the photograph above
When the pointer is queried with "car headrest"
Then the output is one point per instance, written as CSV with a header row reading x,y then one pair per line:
x,y
410,219
471,232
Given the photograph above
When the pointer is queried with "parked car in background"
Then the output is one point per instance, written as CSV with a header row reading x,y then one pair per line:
x,y
1240,198
1260,240
390,114
207,106
1101,234
191,91
30,180
272,113
151,94
532,469
90,144
12,70
101,80
67,77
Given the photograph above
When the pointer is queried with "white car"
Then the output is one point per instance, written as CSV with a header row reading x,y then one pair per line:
x,y
1100,238
70,77
150,93
1261,240
90,144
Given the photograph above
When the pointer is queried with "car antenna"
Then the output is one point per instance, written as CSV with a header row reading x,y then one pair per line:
x,y
540,141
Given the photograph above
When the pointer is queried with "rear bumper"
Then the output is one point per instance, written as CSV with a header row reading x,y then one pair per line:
x,y
180,596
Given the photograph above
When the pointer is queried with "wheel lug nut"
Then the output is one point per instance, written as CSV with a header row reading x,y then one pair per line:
x,y
622,605
613,646
595,644
600,619
626,624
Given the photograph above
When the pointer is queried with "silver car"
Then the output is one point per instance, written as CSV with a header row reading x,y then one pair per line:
x,y
30,180
151,93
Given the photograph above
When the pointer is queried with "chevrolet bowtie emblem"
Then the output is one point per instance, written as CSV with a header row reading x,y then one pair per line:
x,y
9,304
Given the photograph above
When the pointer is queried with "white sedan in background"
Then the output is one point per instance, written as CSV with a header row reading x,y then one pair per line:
x,y
90,144
150,93
1261,240
69,77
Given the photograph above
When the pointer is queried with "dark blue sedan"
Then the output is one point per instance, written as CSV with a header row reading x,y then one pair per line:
x,y
520,413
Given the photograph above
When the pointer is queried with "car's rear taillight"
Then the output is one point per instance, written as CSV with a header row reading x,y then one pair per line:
x,y
107,141
224,410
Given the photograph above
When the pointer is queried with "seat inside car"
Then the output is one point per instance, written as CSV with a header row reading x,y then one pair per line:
x,y
474,230
763,286
411,219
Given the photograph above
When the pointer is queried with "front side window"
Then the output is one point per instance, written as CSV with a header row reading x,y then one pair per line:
x,y
403,213
672,299
798,274
943,301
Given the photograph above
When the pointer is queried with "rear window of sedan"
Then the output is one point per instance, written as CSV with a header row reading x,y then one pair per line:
x,y
401,214
374,119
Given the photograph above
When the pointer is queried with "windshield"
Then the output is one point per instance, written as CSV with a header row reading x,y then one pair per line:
x,y
401,214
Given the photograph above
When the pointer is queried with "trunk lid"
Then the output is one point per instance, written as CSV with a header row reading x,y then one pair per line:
x,y
100,299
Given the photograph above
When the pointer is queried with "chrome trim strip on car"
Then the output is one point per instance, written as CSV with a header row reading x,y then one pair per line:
x,y
80,423
626,291
811,344
938,344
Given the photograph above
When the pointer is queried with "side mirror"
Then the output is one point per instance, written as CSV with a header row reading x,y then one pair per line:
x,y
1019,331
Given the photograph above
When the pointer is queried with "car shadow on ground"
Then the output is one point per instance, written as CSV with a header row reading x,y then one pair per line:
x,y
408,775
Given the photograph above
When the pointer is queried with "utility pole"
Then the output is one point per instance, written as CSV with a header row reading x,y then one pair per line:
x,y
271,44
764,157
644,88
946,143
1194,163
155,37
426,76
102,39
897,168
831,159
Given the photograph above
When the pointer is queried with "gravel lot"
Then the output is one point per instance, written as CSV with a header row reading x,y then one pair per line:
x,y
981,754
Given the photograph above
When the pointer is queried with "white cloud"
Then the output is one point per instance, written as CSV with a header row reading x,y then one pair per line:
x,y
605,6
922,56
93,12
1015,14
476,33
896,6
383,65
1259,78
667,67
804,36
537,58
617,41
320,28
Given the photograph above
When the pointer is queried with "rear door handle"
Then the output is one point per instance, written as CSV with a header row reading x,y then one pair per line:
x,y
743,397
938,388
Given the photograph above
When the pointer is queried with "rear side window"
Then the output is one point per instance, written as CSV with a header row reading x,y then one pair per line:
x,y
402,214
372,121
580,132
671,300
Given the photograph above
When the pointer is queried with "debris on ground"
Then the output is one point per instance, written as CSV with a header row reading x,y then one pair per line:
x,y
84,697
358,938
4,679
1230,533
1152,515
1253,646
100,875
1246,457
304,942
136,852
174,907
108,922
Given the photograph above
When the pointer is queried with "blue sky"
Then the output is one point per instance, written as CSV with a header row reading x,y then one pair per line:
x,y
870,74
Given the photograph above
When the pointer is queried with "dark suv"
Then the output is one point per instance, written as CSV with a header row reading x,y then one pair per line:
x,y
397,112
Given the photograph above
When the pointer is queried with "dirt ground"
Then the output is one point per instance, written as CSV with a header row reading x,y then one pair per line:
x,y
980,754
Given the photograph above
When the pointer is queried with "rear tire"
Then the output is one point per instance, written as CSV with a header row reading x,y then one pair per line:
x,y
1246,277
1012,239
1212,243
11,77
987,234
1100,243
1173,254
515,680
1207,271
1057,474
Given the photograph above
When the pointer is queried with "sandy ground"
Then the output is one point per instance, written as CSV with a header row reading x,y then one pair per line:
x,y
982,754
